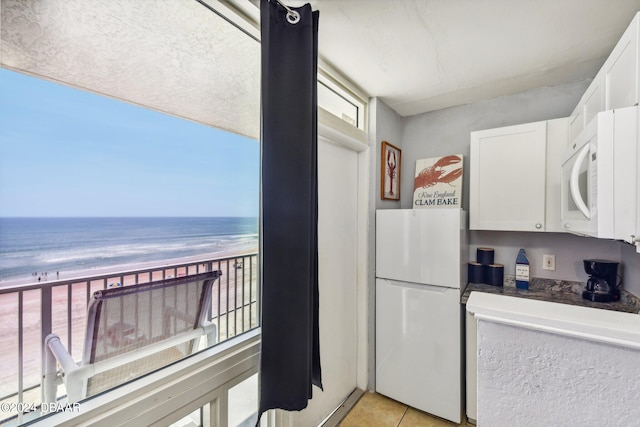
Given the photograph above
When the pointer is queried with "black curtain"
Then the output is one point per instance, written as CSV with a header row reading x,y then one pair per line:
x,y
290,355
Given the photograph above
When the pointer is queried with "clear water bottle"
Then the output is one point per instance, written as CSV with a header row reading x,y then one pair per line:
x,y
522,270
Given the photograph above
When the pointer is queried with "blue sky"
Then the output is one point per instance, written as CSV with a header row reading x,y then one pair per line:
x,y
66,152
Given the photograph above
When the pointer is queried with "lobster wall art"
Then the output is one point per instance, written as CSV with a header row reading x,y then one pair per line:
x,y
390,172
438,182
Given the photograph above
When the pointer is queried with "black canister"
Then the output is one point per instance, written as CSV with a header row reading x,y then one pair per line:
x,y
495,274
475,272
485,256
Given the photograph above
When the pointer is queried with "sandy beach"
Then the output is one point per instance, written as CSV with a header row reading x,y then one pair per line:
x,y
232,297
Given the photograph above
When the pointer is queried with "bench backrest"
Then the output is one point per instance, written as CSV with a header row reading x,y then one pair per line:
x,y
126,319
123,319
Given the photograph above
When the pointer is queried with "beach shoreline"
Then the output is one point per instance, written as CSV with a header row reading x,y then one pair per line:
x,y
124,269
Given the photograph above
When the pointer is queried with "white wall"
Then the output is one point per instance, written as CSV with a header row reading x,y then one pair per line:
x,y
569,250
447,132
384,125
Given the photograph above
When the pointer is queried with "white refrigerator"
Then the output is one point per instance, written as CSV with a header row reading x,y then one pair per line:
x,y
421,258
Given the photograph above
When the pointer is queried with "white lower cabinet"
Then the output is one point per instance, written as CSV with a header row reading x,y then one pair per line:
x,y
471,371
515,175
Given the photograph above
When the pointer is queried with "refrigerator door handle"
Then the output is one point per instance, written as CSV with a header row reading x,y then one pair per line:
x,y
417,286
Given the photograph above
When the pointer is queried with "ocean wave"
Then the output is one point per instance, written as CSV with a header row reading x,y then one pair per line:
x,y
66,244
134,251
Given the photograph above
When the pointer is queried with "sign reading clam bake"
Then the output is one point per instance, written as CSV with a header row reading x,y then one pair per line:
x,y
438,182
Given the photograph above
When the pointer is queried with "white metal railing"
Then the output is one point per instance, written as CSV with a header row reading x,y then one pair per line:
x,y
30,312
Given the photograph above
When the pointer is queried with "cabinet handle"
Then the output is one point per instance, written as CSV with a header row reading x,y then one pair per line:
x,y
538,226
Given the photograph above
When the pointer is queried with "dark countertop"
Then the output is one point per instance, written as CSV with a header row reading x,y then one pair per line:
x,y
560,291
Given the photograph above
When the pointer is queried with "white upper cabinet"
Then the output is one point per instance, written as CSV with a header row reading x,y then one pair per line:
x,y
576,122
622,89
617,84
626,179
507,182
557,137
515,170
515,177
593,99
621,70
591,103
636,236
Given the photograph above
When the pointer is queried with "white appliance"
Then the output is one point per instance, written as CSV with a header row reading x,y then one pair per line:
x,y
597,184
420,270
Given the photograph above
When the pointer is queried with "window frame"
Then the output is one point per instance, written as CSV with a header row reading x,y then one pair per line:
x,y
169,394
245,15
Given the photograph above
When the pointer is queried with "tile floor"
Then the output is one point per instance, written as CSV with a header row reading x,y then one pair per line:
x,y
375,410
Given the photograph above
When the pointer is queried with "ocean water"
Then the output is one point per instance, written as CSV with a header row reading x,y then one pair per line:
x,y
37,245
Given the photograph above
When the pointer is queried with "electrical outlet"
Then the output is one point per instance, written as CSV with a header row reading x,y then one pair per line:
x,y
549,262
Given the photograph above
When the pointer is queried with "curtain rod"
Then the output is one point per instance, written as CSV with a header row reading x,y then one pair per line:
x,y
293,17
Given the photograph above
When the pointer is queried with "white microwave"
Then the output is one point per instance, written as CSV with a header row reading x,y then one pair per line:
x,y
594,185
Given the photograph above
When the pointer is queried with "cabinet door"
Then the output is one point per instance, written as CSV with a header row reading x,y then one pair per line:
x,y
508,178
591,103
576,122
471,360
636,237
593,99
625,173
621,71
557,136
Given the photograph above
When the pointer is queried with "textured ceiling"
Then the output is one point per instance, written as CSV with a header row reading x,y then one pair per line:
x,y
415,55
424,55
173,56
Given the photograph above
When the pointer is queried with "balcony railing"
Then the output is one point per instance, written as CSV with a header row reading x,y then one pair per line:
x,y
30,312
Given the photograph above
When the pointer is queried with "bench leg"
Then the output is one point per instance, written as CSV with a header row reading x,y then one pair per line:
x,y
50,377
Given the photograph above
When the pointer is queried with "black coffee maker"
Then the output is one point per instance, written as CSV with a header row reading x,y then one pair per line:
x,y
602,285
